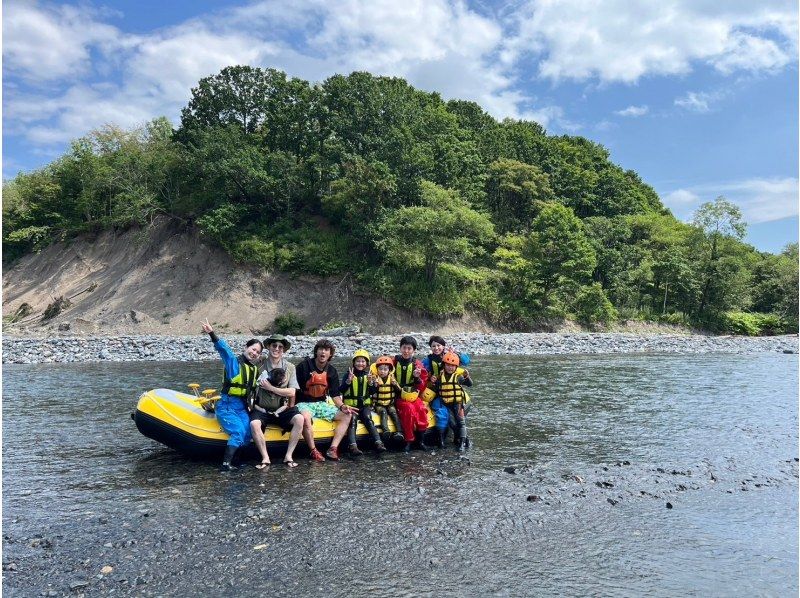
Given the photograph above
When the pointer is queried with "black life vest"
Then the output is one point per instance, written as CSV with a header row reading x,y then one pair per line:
x,y
404,373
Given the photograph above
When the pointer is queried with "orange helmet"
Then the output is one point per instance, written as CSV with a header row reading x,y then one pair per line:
x,y
384,360
451,358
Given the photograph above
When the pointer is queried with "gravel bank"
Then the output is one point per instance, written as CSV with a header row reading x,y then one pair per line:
x,y
199,348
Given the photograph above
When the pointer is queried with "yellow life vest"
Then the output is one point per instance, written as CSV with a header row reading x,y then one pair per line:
x,y
385,395
357,393
243,382
450,391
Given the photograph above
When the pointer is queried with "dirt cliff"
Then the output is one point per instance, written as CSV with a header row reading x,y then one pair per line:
x,y
166,279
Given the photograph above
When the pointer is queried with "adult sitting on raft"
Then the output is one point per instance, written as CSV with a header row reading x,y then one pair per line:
x,y
239,381
270,398
317,378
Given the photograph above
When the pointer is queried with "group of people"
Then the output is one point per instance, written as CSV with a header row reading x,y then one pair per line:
x,y
261,387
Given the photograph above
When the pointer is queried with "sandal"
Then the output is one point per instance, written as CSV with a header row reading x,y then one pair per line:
x,y
290,464
263,464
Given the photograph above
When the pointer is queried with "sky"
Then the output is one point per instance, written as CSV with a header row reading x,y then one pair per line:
x,y
700,97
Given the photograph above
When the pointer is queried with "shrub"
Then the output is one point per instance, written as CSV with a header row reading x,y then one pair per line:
x,y
592,306
753,324
289,323
254,250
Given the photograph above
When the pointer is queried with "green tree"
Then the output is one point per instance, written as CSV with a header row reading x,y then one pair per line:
x,y
561,256
514,192
442,230
717,222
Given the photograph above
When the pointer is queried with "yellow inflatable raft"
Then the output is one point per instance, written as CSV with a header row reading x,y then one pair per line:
x,y
179,421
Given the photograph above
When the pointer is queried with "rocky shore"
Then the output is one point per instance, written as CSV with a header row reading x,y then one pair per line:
x,y
198,347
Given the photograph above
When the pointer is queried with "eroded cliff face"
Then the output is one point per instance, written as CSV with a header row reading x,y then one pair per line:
x,y
165,280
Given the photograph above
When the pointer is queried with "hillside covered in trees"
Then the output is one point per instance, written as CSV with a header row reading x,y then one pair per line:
x,y
433,205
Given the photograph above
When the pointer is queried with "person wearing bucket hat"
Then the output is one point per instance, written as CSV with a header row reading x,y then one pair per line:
x,y
270,397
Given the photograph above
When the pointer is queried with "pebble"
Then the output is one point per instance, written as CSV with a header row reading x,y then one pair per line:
x,y
63,348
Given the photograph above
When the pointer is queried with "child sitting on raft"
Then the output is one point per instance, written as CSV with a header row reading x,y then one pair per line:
x,y
355,390
383,389
449,388
433,364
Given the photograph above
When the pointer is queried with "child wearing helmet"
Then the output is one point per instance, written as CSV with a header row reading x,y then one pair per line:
x,y
355,394
411,376
449,388
383,389
433,364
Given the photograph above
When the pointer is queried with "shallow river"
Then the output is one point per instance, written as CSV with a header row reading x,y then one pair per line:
x,y
599,475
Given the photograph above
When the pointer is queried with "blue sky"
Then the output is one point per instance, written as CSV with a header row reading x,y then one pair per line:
x,y
699,97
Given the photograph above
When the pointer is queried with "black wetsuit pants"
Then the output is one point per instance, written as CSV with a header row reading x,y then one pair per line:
x,y
458,419
365,417
388,412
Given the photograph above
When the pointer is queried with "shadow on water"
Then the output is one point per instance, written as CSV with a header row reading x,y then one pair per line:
x,y
564,490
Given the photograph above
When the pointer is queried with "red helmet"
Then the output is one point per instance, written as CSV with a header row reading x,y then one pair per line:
x,y
384,360
451,359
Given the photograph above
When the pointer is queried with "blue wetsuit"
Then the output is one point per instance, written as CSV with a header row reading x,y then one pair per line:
x,y
231,411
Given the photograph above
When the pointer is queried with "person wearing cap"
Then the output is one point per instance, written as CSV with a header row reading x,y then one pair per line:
x,y
239,382
270,398
433,364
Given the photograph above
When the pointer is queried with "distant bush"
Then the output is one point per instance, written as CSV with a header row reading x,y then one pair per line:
x,y
753,324
593,307
289,323
254,250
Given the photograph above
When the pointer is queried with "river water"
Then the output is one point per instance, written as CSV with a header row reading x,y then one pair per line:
x,y
588,475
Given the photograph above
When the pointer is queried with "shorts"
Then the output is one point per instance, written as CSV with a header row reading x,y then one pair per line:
x,y
320,409
283,419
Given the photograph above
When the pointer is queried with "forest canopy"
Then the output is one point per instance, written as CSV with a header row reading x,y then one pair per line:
x,y
432,204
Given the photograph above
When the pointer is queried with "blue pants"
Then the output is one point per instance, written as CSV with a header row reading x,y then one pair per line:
x,y
440,412
233,418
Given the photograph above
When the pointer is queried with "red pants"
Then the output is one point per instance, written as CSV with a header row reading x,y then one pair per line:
x,y
413,416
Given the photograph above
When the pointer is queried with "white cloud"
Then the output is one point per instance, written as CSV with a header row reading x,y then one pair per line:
x,y
633,111
623,41
437,45
44,43
761,200
695,101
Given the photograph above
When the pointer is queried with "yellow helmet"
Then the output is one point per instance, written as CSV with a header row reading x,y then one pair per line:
x,y
428,395
361,353
409,394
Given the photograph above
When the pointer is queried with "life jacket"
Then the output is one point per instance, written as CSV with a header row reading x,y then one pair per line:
x,y
450,391
404,373
385,394
317,384
436,364
357,394
243,382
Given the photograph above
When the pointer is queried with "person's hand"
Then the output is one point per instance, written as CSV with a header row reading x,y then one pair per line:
x,y
466,374
350,375
207,327
371,378
417,372
433,379
265,384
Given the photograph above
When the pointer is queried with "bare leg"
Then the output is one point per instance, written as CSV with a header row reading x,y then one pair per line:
x,y
342,423
308,430
294,437
258,439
